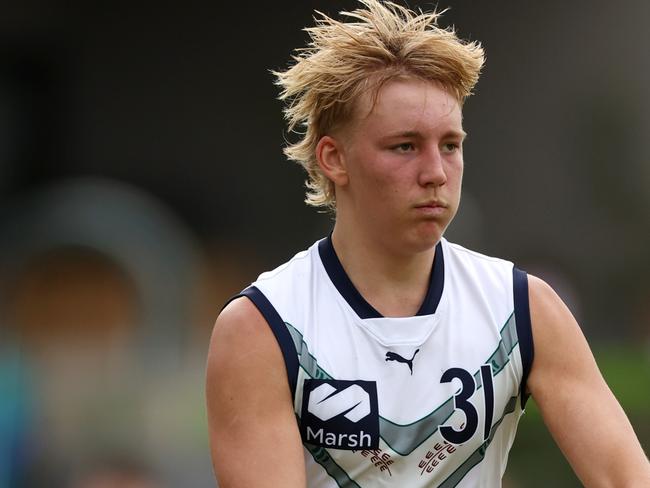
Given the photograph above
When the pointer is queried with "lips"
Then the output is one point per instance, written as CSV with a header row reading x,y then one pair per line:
x,y
433,209
432,204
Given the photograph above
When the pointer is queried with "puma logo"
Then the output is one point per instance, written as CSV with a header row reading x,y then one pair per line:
x,y
393,356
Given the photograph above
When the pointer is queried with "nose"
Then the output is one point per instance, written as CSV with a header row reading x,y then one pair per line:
x,y
432,169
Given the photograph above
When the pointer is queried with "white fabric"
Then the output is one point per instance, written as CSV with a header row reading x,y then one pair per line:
x,y
464,332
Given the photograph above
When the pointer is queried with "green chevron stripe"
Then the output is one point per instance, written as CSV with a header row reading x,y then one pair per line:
x,y
501,355
405,438
306,360
322,457
478,455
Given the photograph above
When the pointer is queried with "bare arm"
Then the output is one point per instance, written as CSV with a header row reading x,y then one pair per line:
x,y
254,436
582,414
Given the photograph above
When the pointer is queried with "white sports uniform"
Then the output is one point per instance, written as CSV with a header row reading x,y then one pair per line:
x,y
430,400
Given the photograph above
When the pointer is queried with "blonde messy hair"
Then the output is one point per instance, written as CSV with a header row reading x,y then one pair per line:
x,y
347,59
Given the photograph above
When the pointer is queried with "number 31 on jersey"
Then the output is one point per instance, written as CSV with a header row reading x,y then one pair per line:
x,y
461,402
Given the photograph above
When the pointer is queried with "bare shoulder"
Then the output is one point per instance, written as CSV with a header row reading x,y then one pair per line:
x,y
237,314
242,345
250,408
558,340
239,325
546,307
577,406
555,330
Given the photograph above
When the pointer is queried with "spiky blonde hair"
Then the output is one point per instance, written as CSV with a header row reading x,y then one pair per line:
x,y
344,60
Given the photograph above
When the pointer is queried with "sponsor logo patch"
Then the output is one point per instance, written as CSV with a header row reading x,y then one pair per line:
x,y
340,414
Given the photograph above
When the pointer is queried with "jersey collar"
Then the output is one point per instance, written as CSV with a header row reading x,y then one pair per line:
x,y
359,304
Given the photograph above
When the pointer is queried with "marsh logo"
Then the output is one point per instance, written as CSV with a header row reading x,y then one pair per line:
x,y
325,402
340,414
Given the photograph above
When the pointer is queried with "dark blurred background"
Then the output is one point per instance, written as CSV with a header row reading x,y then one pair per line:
x,y
142,183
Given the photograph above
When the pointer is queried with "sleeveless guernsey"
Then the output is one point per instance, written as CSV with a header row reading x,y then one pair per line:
x,y
431,400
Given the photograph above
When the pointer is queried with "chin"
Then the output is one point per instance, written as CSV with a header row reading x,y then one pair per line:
x,y
422,242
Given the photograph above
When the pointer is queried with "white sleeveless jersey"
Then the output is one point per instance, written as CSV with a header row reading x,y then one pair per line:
x,y
431,400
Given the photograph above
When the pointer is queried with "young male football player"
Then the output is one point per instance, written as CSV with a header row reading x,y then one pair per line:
x,y
385,355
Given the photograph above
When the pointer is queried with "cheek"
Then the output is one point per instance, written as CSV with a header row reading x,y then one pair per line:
x,y
455,173
460,175
456,189
380,179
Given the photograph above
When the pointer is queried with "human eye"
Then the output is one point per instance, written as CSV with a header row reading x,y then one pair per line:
x,y
450,147
403,147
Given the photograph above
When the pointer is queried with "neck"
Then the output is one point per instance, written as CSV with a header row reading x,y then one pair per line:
x,y
395,283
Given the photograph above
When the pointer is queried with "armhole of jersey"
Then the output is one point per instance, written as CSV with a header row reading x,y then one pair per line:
x,y
524,331
279,330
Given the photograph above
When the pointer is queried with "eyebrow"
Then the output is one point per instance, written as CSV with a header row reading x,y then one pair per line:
x,y
413,133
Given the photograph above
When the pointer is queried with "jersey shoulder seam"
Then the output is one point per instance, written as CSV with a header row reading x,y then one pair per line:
x,y
283,267
475,254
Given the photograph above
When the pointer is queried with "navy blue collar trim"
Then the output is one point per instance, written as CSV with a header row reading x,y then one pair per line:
x,y
359,304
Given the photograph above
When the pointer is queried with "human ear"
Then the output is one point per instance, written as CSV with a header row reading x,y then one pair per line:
x,y
331,160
